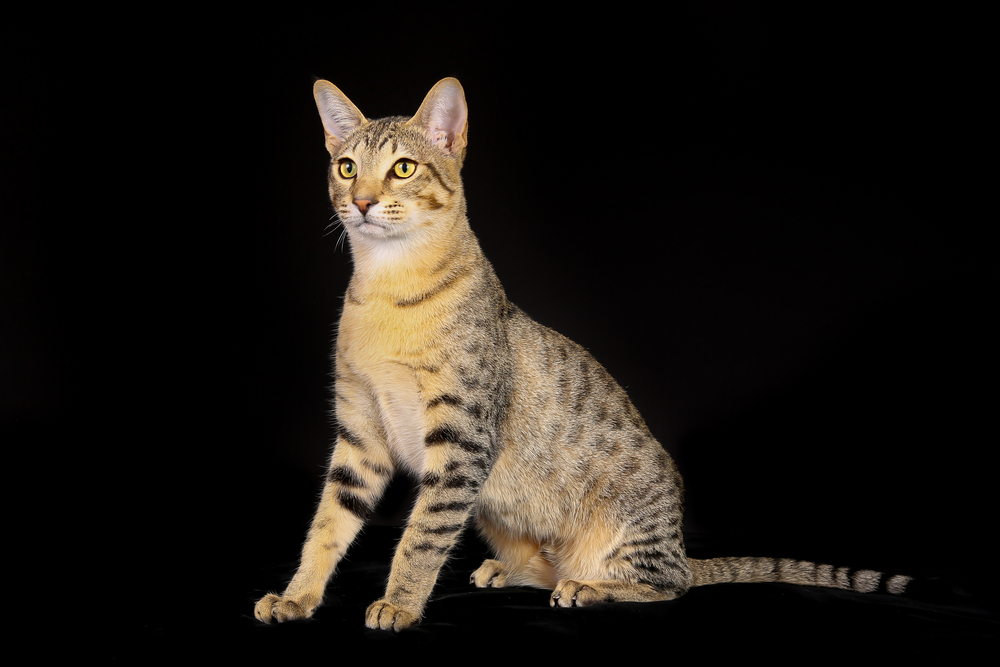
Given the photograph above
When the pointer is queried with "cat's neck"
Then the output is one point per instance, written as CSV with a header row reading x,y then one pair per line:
x,y
402,267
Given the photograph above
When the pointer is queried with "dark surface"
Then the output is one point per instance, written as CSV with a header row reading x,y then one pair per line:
x,y
722,622
762,223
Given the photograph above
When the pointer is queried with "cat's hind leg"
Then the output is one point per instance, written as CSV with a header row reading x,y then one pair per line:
x,y
518,562
572,593
537,571
604,561
629,575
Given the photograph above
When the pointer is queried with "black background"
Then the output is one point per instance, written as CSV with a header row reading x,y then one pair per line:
x,y
763,222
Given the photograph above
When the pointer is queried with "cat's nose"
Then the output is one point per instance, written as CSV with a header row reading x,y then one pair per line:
x,y
363,204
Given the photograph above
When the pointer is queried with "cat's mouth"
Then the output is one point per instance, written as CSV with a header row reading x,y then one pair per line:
x,y
370,227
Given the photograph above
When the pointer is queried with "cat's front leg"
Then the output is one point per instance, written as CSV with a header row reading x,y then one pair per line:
x,y
355,481
433,530
456,468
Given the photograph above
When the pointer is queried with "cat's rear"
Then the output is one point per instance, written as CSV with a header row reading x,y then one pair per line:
x,y
582,499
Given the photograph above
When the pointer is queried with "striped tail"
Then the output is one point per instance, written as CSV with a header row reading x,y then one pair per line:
x,y
789,571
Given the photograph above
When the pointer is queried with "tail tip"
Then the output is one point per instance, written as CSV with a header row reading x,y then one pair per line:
x,y
898,584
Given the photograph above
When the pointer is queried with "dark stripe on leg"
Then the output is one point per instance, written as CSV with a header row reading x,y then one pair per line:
x,y
448,434
456,506
353,504
345,477
447,399
444,530
344,434
427,546
442,435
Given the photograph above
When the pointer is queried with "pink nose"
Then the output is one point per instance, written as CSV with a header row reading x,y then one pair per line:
x,y
363,204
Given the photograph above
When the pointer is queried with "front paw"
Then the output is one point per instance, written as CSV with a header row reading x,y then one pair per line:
x,y
273,607
382,615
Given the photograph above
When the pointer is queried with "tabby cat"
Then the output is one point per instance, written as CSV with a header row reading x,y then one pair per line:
x,y
502,420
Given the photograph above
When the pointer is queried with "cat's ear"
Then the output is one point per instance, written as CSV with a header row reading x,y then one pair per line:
x,y
444,115
340,116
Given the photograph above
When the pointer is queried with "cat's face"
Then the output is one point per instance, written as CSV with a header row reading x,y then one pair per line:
x,y
395,177
389,180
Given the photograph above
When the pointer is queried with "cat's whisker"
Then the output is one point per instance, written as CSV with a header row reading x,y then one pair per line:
x,y
332,227
334,221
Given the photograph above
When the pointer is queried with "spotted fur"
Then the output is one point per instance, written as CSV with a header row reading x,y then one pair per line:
x,y
504,422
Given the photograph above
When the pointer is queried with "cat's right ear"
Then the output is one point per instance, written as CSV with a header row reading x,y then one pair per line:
x,y
340,116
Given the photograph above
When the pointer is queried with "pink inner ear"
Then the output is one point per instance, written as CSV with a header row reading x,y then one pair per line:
x,y
442,116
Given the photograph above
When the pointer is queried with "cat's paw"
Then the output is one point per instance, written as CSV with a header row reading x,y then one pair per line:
x,y
382,615
273,607
491,574
569,593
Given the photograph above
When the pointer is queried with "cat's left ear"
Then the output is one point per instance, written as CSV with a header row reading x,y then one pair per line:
x,y
444,116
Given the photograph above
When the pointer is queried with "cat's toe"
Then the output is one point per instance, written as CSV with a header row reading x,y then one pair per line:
x,y
490,574
569,593
262,610
382,615
273,607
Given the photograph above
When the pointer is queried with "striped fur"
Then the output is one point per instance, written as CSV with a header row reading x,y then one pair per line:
x,y
505,423
788,571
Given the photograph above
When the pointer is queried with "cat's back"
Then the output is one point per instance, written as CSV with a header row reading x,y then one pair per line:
x,y
560,381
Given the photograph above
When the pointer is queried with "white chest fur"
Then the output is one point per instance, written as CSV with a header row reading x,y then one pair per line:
x,y
401,407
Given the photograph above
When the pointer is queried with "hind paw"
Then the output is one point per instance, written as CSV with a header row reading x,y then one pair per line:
x,y
569,593
491,574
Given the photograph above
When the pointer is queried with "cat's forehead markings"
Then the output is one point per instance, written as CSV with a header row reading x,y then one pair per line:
x,y
395,144
378,133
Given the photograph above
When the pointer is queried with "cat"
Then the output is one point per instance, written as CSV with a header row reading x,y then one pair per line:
x,y
503,421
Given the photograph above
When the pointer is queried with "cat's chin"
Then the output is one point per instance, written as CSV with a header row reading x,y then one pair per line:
x,y
374,230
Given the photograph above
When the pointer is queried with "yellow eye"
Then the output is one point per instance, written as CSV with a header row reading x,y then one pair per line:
x,y
348,169
405,168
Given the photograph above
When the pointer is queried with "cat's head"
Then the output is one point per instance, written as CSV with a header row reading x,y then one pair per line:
x,y
393,176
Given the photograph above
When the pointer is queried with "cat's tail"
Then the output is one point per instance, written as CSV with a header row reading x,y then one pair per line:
x,y
790,571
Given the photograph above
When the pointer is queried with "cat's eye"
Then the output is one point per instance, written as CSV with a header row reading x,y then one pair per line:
x,y
405,168
348,169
